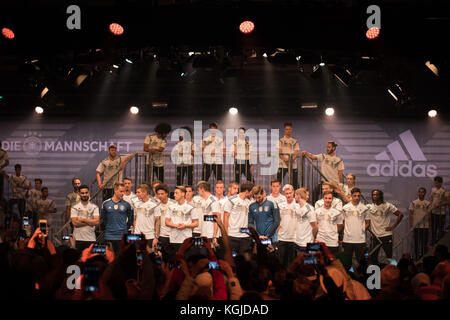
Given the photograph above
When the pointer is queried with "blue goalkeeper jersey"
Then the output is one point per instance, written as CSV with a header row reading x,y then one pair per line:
x,y
265,218
117,217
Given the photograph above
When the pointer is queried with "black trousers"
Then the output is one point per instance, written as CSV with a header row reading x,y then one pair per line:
x,y
386,244
286,252
1,187
283,171
21,204
437,227
242,169
183,171
165,248
172,252
81,245
215,168
420,242
241,245
107,194
357,248
158,173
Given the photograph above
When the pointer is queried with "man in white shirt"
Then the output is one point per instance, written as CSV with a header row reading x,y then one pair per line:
x,y
213,149
306,224
197,204
183,155
439,201
154,144
330,222
45,208
288,150
189,194
337,203
85,217
242,149
20,185
380,221
419,219
219,190
145,220
33,195
276,196
356,222
162,211
129,196
72,198
236,217
181,219
332,166
289,211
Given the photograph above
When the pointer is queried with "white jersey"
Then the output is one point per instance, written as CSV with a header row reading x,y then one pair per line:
x,y
210,206
144,215
197,204
355,223
131,199
162,211
288,223
181,213
330,165
420,209
238,219
278,199
89,211
328,220
213,150
380,218
336,204
438,196
303,232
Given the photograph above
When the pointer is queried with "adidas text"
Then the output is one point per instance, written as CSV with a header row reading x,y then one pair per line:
x,y
402,169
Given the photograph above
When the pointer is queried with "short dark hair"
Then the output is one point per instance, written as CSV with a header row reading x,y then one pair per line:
x,y
204,185
181,188
38,179
380,192
164,187
83,186
156,182
333,144
127,178
422,188
438,179
18,166
75,178
247,186
163,128
354,190
242,128
213,125
44,188
274,181
288,124
189,187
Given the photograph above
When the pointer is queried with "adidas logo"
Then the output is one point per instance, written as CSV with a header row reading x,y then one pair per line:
x,y
399,164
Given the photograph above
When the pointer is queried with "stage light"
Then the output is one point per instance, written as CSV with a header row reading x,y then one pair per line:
x,y
433,68
39,110
329,111
44,92
247,27
322,64
115,66
191,53
129,61
265,55
116,29
134,110
432,113
373,33
8,33
233,111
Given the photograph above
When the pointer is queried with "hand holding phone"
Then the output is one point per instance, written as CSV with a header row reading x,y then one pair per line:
x,y
313,247
213,265
43,227
133,238
266,241
98,248
198,241
208,218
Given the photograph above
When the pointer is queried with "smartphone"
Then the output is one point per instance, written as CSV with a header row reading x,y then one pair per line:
x,y
140,257
245,230
392,261
366,254
313,247
25,222
91,275
351,269
213,265
310,259
98,248
233,253
133,237
197,241
43,226
66,237
158,261
208,218
266,242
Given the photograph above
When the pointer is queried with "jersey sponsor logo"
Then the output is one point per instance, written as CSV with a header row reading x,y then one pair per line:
x,y
122,207
266,209
398,163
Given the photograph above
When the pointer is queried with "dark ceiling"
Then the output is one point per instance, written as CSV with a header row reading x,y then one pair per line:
x,y
412,32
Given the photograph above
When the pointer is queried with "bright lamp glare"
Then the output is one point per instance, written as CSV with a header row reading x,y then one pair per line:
x,y
329,111
39,110
233,111
134,110
432,113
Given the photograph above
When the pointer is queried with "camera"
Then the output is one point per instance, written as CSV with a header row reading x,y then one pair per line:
x,y
245,230
66,237
313,247
98,248
133,237
197,241
266,242
213,265
208,218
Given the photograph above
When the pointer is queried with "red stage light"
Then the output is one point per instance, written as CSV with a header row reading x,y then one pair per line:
x,y
8,33
116,29
247,27
372,33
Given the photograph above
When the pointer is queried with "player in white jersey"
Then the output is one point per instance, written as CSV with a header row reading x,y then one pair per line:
x,y
145,220
419,219
197,204
85,216
440,199
330,223
181,219
162,211
380,220
288,149
289,210
356,222
337,203
306,225
129,196
275,196
235,217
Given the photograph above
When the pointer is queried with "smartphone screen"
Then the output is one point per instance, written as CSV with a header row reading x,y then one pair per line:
x,y
213,265
198,241
140,258
233,253
310,259
313,247
208,218
66,237
266,242
25,222
133,237
245,230
91,275
99,249
43,227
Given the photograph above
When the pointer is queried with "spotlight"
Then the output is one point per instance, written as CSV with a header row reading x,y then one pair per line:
x,y
432,113
129,61
322,64
116,29
398,92
39,110
329,111
247,27
372,33
134,110
191,53
115,66
233,111
8,33
265,55
433,68
44,92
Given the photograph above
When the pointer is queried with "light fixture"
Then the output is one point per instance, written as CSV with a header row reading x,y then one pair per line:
x,y
134,110
329,111
432,113
247,27
373,33
433,68
116,29
8,33
309,106
128,61
115,66
39,110
233,111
